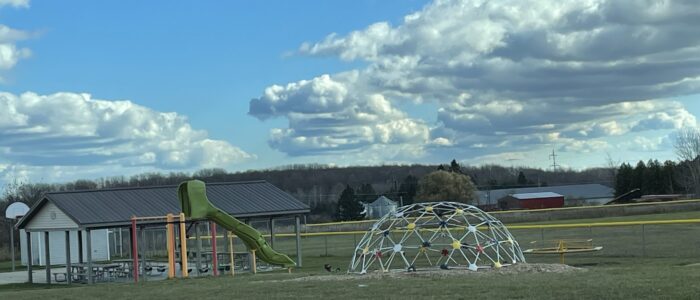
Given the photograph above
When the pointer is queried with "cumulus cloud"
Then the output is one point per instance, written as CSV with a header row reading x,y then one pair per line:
x,y
326,115
10,53
68,129
518,73
15,3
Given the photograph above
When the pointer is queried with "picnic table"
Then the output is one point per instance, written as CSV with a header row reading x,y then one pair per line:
x,y
79,272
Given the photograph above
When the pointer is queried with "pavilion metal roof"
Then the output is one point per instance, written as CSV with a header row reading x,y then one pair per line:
x,y
115,207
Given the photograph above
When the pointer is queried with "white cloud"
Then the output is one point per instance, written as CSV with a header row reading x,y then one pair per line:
x,y
10,54
514,74
326,115
68,129
15,3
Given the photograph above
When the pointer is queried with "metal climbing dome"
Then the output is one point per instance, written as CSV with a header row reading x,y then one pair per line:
x,y
444,234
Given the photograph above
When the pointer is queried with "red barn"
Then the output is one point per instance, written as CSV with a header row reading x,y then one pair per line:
x,y
531,201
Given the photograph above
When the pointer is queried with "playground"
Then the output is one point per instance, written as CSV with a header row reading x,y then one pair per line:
x,y
644,256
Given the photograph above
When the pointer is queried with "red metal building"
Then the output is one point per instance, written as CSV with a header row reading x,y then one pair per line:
x,y
531,201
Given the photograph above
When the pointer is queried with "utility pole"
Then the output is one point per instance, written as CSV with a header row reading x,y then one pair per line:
x,y
553,156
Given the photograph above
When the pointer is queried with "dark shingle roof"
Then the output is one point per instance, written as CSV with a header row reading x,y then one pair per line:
x,y
115,206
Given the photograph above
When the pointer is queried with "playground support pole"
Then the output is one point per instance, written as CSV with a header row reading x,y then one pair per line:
x,y
230,249
183,246
255,267
171,246
134,249
214,256
198,239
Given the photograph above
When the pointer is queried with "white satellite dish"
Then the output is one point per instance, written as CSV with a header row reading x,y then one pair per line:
x,y
16,210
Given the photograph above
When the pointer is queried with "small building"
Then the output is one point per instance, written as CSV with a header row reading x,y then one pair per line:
x,y
89,220
380,207
575,194
532,201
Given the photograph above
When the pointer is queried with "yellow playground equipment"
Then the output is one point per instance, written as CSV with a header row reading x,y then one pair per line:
x,y
562,247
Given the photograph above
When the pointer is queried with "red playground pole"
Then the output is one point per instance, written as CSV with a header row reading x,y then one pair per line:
x,y
134,249
214,259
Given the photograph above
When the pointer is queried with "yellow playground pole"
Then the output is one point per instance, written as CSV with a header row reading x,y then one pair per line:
x,y
183,246
230,247
171,246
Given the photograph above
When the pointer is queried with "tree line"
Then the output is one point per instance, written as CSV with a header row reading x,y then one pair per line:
x,y
653,178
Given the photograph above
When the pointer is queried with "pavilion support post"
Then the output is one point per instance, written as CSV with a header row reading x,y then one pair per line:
x,y
214,255
47,255
272,232
133,230
142,252
29,257
69,269
251,258
88,241
198,237
297,230
80,246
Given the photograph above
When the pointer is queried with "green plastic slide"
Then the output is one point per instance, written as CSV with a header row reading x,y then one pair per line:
x,y
195,205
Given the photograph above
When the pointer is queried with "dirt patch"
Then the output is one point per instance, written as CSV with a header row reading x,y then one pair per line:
x,y
433,273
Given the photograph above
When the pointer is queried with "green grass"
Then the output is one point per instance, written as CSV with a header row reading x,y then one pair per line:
x,y
648,217
635,263
653,280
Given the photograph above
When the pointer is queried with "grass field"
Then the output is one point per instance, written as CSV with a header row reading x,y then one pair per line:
x,y
650,262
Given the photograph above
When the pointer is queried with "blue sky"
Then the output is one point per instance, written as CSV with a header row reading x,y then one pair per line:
x,y
244,85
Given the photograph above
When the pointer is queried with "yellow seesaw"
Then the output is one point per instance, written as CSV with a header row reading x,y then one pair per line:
x,y
562,247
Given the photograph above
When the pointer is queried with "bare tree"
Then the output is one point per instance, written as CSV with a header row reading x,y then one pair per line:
x,y
687,146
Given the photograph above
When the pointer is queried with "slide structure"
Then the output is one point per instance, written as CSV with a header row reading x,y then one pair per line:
x,y
195,205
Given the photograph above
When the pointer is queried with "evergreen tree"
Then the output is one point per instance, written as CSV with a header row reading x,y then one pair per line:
x,y
408,189
454,167
668,177
638,176
623,181
348,207
366,193
652,179
522,180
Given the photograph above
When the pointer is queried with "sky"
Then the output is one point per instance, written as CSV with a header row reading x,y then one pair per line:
x,y
92,89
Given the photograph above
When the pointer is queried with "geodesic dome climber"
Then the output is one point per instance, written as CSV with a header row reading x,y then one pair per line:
x,y
444,234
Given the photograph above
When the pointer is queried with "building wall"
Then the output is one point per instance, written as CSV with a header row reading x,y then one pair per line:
x,y
57,245
537,203
51,217
378,211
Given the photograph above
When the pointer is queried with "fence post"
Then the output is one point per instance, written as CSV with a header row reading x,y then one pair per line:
x,y
325,242
644,243
542,233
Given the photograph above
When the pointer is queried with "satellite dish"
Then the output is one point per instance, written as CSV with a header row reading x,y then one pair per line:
x,y
16,210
